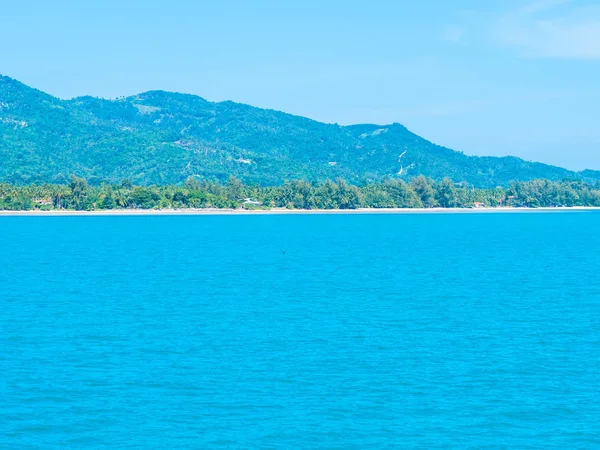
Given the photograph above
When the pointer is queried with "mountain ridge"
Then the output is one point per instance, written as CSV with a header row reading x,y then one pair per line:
x,y
159,137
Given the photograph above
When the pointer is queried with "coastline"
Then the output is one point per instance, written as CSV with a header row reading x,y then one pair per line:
x,y
283,211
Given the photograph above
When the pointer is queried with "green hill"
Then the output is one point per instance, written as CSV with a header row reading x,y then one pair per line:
x,y
160,137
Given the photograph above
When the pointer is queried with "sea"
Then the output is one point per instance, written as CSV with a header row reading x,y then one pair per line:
x,y
417,331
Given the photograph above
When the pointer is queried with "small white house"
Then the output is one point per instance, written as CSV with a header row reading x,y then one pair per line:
x,y
249,201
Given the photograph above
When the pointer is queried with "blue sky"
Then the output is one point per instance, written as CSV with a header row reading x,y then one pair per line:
x,y
487,77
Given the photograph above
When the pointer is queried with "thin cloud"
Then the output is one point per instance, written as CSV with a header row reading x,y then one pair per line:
x,y
452,33
550,30
542,5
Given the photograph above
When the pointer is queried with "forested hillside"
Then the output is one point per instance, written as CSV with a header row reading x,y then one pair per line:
x,y
164,138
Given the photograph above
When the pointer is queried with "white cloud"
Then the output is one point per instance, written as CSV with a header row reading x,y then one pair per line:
x,y
452,33
542,5
552,29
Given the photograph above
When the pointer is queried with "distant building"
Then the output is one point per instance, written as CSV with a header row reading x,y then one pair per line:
x,y
249,201
42,201
477,205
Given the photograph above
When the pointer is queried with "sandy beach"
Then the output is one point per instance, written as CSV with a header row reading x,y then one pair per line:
x,y
282,211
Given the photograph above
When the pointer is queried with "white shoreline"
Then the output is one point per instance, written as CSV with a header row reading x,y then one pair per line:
x,y
282,211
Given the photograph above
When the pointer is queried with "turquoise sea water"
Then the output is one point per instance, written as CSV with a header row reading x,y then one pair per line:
x,y
322,331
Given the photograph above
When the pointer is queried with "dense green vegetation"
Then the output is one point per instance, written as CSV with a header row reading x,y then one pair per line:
x,y
418,193
163,138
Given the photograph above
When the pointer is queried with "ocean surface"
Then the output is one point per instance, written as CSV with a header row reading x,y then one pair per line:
x,y
317,331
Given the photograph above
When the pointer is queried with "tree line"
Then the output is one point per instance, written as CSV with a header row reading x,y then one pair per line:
x,y
420,192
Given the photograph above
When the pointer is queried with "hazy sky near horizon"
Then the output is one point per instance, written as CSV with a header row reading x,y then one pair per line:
x,y
488,78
